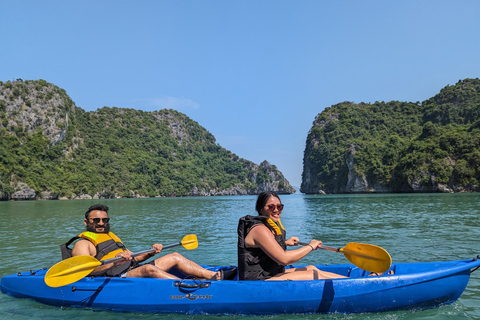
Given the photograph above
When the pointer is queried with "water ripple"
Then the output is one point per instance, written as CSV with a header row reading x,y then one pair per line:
x,y
412,228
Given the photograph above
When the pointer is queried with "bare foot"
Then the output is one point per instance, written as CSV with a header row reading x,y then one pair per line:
x,y
217,276
373,274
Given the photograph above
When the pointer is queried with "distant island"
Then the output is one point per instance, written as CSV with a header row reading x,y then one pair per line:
x,y
52,149
429,146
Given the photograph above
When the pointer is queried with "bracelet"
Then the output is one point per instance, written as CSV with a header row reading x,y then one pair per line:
x,y
311,247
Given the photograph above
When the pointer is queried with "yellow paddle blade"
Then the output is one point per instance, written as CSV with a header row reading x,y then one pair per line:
x,y
70,270
367,256
190,242
75,268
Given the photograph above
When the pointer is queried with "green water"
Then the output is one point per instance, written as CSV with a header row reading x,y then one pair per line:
x,y
412,228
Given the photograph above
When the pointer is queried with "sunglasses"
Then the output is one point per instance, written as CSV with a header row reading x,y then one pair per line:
x,y
97,220
279,207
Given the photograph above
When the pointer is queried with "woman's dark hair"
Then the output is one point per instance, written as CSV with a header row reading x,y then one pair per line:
x,y
262,200
100,207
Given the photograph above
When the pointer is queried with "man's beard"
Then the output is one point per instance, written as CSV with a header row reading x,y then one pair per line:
x,y
92,228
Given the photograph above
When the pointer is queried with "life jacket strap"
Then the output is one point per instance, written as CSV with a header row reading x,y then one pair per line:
x,y
276,226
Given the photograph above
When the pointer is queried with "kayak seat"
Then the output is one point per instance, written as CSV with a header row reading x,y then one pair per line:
x,y
230,273
357,273
360,273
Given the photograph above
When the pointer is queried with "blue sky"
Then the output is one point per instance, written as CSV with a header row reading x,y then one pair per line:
x,y
253,73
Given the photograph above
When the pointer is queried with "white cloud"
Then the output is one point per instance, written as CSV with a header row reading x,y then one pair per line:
x,y
233,140
173,103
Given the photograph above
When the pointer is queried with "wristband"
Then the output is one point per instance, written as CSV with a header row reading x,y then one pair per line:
x,y
311,247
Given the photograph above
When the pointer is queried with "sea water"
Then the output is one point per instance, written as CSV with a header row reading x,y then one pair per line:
x,y
411,227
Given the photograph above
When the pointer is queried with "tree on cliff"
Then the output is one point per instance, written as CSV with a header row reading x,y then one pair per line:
x,y
59,150
397,146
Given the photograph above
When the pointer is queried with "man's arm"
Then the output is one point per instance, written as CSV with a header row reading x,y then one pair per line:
x,y
157,246
86,248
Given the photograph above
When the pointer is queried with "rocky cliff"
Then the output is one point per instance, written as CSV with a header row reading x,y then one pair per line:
x,y
429,146
52,149
35,105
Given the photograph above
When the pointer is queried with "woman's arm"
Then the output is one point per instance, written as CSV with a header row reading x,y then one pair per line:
x,y
262,237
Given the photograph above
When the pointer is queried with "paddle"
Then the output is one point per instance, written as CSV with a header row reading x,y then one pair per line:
x,y
75,268
365,256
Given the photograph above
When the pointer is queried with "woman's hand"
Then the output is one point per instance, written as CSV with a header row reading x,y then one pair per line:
x,y
315,244
293,241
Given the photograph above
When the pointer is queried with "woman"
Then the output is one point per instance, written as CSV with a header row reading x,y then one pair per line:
x,y
262,244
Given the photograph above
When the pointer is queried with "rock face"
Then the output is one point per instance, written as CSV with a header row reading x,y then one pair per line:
x,y
274,180
36,105
51,149
24,193
395,146
355,183
265,177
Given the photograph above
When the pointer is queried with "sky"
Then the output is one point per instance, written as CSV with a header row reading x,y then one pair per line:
x,y
253,73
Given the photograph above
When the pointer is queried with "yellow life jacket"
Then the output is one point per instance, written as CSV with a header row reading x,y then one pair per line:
x,y
107,244
277,227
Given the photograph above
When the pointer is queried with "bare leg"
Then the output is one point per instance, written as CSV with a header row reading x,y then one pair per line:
x,y
298,275
149,271
306,273
172,260
184,265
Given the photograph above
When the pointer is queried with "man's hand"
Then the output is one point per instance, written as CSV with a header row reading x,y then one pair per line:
x,y
125,255
158,247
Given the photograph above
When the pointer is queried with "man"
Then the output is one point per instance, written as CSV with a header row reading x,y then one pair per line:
x,y
102,244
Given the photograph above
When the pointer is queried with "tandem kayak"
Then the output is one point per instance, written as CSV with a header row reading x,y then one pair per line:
x,y
412,286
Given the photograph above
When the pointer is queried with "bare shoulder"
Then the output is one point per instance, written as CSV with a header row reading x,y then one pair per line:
x,y
259,235
84,247
260,230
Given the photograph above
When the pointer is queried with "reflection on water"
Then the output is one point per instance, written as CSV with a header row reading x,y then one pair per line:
x,y
412,228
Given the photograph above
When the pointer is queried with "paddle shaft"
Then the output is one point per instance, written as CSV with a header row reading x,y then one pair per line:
x,y
140,253
345,251
322,247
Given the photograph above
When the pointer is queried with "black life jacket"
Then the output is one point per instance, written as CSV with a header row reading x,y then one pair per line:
x,y
254,263
107,246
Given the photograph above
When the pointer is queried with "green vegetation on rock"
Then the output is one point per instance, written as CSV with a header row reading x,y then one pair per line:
x,y
59,150
433,146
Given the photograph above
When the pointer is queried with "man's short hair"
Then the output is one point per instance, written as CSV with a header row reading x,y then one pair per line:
x,y
100,207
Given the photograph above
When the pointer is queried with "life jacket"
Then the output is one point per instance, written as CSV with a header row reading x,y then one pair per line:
x,y
254,263
107,246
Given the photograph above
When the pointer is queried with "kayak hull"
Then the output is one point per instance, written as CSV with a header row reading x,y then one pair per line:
x,y
413,286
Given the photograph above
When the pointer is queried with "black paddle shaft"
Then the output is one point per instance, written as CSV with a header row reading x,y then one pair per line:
x,y
140,253
321,247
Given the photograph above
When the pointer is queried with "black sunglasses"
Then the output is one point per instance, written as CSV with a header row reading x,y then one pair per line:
x,y
97,220
271,207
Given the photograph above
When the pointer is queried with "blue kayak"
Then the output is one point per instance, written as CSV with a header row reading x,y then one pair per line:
x,y
412,286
